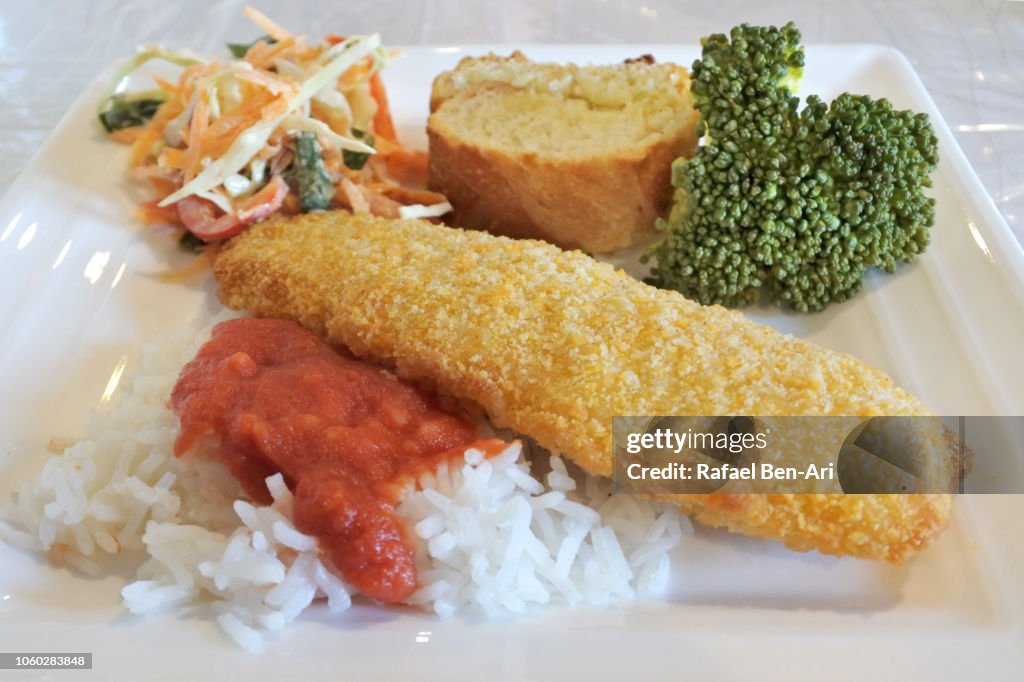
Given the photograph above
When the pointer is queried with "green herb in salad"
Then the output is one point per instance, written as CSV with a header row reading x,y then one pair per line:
x,y
356,160
308,175
127,113
238,50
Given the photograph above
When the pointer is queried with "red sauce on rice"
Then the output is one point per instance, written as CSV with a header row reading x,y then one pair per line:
x,y
266,396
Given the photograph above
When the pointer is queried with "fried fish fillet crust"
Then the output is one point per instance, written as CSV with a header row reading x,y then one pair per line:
x,y
554,344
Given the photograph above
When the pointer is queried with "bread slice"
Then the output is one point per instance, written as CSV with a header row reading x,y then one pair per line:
x,y
577,155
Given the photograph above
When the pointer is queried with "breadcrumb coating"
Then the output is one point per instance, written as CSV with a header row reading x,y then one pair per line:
x,y
554,344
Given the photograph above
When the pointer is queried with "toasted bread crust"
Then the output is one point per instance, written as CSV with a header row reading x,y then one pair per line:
x,y
595,197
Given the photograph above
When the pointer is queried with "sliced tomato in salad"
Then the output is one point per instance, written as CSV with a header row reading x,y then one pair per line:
x,y
200,215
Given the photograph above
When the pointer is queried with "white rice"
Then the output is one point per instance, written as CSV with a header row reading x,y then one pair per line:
x,y
495,538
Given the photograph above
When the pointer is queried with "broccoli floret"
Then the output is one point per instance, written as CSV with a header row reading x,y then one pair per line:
x,y
792,203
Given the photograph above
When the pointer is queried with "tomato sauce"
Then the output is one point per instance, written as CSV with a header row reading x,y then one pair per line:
x,y
266,396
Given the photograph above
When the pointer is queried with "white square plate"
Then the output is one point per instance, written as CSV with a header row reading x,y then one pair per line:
x,y
78,297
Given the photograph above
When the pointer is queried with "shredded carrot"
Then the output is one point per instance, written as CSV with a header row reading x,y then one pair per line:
x,y
256,54
269,81
339,122
292,205
355,198
187,82
381,205
149,213
189,130
271,28
262,79
274,145
362,199
171,158
277,107
162,186
222,132
357,73
126,135
401,165
148,171
262,58
407,195
167,111
382,123
219,135
201,263
142,147
142,144
194,153
165,85
262,54
333,160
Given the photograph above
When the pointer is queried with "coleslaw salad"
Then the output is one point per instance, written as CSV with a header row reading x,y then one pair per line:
x,y
284,126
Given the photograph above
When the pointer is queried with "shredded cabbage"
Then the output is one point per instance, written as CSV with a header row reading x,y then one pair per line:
x,y
146,53
252,140
423,211
236,185
218,199
301,92
292,123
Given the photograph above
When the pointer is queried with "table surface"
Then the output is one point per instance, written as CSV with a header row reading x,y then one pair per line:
x,y
969,53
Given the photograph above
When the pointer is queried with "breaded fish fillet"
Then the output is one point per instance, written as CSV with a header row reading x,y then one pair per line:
x,y
554,344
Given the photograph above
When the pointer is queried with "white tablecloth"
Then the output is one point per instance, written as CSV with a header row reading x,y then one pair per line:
x,y
969,53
